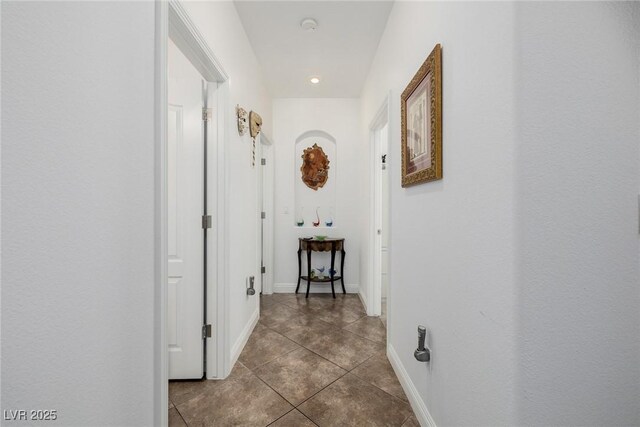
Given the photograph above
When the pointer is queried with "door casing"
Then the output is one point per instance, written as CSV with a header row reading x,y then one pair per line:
x,y
265,197
171,19
374,294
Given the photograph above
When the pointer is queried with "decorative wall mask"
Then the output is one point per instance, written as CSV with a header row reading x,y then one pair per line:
x,y
255,124
242,120
315,167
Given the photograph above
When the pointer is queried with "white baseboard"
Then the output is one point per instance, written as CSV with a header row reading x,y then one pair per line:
x,y
417,404
244,337
324,288
363,300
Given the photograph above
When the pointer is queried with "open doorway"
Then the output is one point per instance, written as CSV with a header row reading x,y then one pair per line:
x,y
384,219
186,202
379,208
192,97
266,178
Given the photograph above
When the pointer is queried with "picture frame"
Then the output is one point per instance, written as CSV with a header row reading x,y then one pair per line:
x,y
421,123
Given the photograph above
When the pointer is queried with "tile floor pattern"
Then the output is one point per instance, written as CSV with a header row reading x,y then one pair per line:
x,y
308,362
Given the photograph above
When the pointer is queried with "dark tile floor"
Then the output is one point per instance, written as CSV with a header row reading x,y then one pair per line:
x,y
316,361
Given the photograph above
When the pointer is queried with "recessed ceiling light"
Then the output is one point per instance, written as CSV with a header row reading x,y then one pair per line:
x,y
309,24
315,80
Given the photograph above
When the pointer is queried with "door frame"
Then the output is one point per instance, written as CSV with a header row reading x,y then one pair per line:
x,y
171,19
374,294
265,196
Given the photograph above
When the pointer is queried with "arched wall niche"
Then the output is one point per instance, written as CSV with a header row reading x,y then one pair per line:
x,y
323,199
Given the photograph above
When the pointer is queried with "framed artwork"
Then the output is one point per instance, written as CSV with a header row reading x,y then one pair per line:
x,y
421,121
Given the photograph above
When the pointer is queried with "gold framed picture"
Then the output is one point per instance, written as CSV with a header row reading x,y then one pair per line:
x,y
421,121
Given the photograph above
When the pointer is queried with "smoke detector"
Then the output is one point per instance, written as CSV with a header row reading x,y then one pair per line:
x,y
309,24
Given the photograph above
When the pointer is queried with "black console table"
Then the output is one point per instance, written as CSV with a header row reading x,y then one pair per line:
x,y
332,245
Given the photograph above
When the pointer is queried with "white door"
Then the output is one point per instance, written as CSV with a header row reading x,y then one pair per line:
x,y
384,193
185,209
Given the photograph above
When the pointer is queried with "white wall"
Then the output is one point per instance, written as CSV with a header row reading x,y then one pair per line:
x,y
340,118
78,211
78,203
221,27
452,246
578,276
523,261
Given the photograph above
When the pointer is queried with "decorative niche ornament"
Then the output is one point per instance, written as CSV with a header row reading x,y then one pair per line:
x,y
255,124
242,120
315,167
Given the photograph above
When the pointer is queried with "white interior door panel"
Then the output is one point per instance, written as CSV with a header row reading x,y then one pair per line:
x,y
185,209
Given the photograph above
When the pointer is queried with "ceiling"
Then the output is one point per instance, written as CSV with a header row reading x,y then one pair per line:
x,y
339,51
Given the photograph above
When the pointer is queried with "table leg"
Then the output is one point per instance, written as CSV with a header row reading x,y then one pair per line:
x,y
333,260
308,270
344,291
299,269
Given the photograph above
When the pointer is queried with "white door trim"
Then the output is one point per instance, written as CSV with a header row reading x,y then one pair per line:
x,y
161,228
172,18
374,294
267,190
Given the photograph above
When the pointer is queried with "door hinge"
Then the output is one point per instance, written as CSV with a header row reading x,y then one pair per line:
x,y
206,331
263,161
263,269
206,221
207,113
263,215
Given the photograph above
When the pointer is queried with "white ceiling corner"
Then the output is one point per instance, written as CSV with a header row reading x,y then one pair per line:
x,y
340,51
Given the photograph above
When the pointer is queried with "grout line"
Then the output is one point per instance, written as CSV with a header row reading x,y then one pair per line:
x,y
405,420
283,415
277,357
373,385
278,393
181,417
315,313
319,391
310,420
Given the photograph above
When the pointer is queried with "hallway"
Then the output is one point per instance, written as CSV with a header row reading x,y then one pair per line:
x,y
315,361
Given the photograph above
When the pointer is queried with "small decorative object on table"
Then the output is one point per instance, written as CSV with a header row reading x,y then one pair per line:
x,y
317,222
329,222
300,218
321,244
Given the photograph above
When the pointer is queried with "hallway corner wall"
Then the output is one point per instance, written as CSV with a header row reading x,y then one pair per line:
x,y
578,169
78,208
452,243
523,262
222,29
